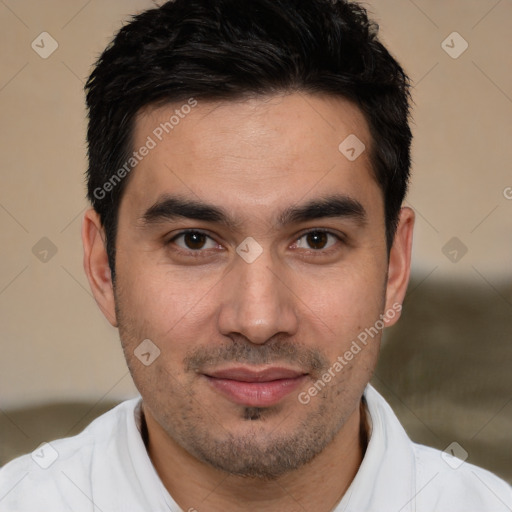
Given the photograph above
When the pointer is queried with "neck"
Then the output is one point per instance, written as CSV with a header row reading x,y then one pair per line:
x,y
319,485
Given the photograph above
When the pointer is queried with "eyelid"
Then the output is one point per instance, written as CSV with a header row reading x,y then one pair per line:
x,y
319,252
340,237
188,231
328,231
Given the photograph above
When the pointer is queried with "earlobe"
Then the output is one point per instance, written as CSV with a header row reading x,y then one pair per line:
x,y
399,266
96,264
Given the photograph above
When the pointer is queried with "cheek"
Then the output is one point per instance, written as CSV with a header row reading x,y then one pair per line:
x,y
346,297
160,303
170,314
349,304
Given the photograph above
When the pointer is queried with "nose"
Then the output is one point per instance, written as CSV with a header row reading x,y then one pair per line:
x,y
257,302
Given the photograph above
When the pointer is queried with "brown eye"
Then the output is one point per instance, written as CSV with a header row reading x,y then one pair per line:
x,y
317,240
193,241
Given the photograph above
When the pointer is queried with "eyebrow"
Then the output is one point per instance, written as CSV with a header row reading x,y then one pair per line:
x,y
169,208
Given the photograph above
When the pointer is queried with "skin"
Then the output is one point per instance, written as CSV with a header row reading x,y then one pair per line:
x,y
300,304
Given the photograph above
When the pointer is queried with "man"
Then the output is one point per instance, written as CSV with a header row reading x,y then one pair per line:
x,y
248,160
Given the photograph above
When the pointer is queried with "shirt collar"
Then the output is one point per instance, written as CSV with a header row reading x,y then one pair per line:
x,y
386,478
385,481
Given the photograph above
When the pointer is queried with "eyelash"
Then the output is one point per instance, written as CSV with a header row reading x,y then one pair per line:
x,y
197,253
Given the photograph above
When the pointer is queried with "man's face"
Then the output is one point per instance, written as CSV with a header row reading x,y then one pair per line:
x,y
246,326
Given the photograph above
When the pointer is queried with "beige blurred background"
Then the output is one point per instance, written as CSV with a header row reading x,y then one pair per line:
x,y
445,367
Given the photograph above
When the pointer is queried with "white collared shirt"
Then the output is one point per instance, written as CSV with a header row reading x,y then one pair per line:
x,y
106,468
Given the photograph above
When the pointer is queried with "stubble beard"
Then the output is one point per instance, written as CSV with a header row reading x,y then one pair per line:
x,y
259,452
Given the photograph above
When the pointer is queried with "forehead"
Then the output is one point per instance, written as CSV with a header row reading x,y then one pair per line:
x,y
255,156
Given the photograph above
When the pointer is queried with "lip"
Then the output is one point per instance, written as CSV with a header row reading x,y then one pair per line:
x,y
255,388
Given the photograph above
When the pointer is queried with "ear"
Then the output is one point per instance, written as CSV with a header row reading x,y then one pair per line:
x,y
399,266
96,264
